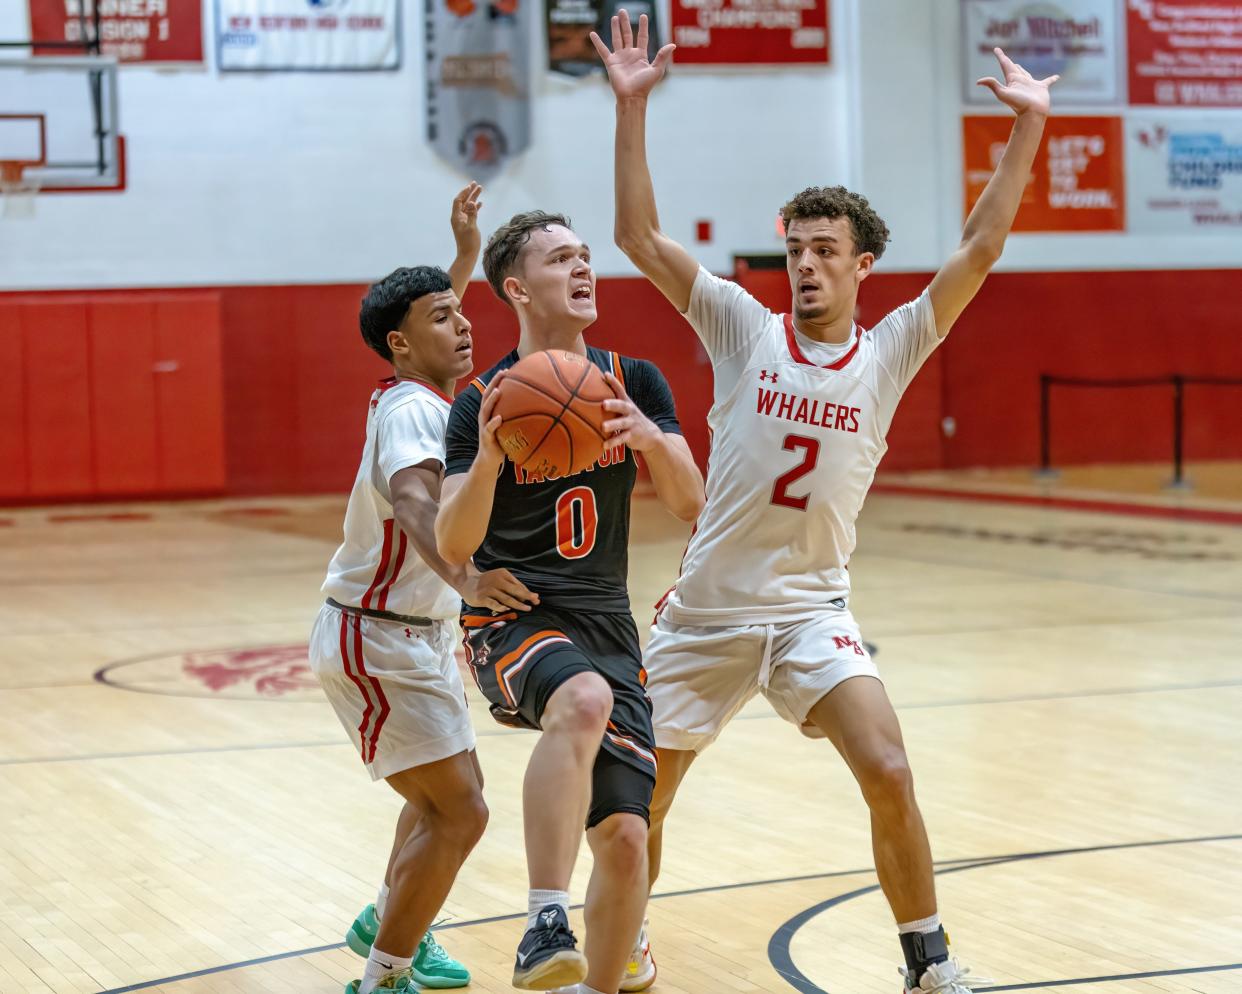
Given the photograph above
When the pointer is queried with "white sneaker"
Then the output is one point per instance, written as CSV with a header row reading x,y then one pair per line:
x,y
640,969
944,978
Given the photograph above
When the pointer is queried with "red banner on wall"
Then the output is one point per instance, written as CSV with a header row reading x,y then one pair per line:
x,y
1077,182
1185,53
750,32
131,30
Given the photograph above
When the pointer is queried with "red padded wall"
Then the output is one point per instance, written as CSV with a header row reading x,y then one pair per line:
x,y
270,391
56,353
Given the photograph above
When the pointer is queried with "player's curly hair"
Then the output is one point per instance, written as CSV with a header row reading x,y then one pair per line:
x,y
870,231
503,248
387,302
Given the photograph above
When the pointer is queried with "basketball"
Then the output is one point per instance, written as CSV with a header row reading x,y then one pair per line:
x,y
552,407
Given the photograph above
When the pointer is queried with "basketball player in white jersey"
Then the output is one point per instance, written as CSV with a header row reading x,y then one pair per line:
x,y
384,644
802,404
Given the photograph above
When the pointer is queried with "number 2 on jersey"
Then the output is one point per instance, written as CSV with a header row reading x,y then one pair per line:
x,y
780,489
576,522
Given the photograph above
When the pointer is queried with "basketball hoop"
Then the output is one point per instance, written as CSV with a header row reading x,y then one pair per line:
x,y
18,189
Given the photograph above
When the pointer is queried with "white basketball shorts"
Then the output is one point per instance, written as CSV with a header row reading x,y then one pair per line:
x,y
698,678
395,688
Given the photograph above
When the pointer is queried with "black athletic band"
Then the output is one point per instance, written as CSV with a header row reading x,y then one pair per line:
x,y
367,612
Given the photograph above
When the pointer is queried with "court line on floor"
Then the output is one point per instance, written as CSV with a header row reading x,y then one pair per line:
x,y
1117,976
781,958
505,733
1198,515
955,866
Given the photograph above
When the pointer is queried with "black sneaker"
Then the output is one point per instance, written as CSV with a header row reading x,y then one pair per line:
x,y
547,956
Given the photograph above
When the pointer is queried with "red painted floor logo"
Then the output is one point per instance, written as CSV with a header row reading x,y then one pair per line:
x,y
270,671
262,672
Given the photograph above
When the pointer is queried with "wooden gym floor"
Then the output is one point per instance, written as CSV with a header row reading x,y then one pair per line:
x,y
181,812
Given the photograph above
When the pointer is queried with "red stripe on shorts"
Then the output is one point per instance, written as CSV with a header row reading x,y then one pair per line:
x,y
357,682
368,752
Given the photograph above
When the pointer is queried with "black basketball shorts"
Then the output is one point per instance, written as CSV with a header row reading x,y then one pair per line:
x,y
519,659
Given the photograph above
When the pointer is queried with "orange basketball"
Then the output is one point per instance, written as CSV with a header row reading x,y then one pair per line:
x,y
552,406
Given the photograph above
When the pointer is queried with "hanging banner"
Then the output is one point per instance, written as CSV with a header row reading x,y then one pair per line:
x,y
1185,174
314,35
478,82
1185,53
1078,39
1078,179
750,32
130,30
570,23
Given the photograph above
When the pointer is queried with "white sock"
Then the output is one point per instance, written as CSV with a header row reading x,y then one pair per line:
x,y
379,965
538,899
924,925
584,989
381,900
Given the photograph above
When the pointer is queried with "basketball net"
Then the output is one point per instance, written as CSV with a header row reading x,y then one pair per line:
x,y
18,190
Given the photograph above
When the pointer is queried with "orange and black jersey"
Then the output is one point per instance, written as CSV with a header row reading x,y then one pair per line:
x,y
566,538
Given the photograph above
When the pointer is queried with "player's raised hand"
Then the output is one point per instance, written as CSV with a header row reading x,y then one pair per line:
x,y
465,216
489,421
496,590
1021,91
628,426
629,72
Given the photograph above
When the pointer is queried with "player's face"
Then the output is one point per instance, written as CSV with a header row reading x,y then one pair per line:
x,y
557,278
434,339
824,271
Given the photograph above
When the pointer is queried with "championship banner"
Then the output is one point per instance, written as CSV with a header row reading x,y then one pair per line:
x,y
750,32
1079,39
1078,179
478,82
308,34
1185,174
1185,53
569,26
130,30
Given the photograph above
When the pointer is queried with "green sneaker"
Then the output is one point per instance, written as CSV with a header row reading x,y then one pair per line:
x,y
433,966
361,935
400,982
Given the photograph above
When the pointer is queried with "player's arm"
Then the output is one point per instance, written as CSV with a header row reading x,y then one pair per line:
x,y
675,474
989,222
415,494
637,227
466,503
465,222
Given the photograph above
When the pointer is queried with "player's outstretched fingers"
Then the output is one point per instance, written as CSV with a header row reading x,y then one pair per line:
x,y
627,33
641,43
600,47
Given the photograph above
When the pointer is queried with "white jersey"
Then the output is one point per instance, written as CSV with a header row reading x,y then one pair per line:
x,y
375,568
794,449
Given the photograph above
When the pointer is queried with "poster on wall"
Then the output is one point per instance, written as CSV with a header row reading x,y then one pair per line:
x,y
1185,53
131,31
308,35
1079,39
1185,173
478,82
1078,179
570,23
750,32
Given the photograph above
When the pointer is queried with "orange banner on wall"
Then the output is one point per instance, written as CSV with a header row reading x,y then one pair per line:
x,y
1077,182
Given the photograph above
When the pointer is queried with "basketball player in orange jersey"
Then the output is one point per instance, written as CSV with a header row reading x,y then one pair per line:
x,y
383,644
571,667
801,407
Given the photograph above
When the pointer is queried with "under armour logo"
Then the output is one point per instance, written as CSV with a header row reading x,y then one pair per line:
x,y
765,375
409,634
